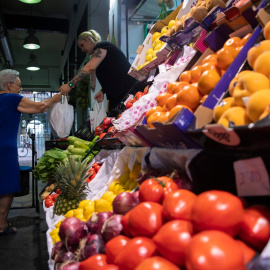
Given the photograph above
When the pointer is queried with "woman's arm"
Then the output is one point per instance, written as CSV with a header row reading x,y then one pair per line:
x,y
97,57
32,107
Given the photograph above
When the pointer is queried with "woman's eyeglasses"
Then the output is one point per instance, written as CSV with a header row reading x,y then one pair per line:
x,y
19,85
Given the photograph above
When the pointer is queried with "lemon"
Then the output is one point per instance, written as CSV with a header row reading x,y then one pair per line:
x,y
128,183
132,185
135,171
158,47
148,57
155,36
54,231
139,67
171,23
70,213
77,212
120,190
109,196
82,203
112,185
80,216
57,225
120,186
157,41
164,30
123,178
149,51
102,205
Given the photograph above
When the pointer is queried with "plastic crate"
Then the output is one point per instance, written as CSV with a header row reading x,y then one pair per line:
x,y
61,144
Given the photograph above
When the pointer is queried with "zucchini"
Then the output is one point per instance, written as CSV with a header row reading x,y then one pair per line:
x,y
78,151
78,144
70,147
72,139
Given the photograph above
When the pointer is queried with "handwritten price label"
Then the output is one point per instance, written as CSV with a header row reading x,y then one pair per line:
x,y
251,177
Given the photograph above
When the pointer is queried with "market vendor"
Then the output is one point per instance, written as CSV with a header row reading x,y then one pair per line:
x,y
11,106
108,63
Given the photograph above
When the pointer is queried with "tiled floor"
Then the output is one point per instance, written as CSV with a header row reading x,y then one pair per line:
x,y
26,249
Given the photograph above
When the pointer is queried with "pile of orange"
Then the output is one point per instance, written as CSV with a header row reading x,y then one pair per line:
x,y
193,86
249,91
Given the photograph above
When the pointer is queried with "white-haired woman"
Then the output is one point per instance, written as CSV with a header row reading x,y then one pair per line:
x,y
11,106
110,65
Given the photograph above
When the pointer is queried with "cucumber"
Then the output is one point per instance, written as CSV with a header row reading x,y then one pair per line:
x,y
78,151
72,139
79,144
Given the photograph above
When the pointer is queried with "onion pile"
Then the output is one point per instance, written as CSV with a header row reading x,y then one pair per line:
x,y
124,202
112,227
96,221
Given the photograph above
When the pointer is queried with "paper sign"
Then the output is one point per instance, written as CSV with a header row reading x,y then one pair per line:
x,y
251,177
222,135
132,160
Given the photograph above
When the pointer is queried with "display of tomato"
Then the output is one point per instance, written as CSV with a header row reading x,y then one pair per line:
x,y
102,135
255,227
138,95
155,189
145,219
172,240
178,204
156,263
124,222
50,200
114,246
217,210
136,251
98,130
129,104
94,262
249,252
212,250
145,90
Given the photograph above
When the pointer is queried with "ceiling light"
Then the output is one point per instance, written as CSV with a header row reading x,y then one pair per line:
x,y
30,1
31,42
33,64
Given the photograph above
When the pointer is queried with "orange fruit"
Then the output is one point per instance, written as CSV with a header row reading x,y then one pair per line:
x,y
161,98
171,86
185,76
233,42
262,64
178,87
210,58
245,39
195,74
208,81
195,84
225,57
257,103
235,80
164,117
203,98
189,96
210,65
223,106
171,102
176,109
239,48
257,50
153,118
266,31
154,109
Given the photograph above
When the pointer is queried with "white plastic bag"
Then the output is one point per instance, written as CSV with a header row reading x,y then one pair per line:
x,y
61,117
99,114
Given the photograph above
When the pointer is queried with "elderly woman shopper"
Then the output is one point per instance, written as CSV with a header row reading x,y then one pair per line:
x,y
108,64
11,106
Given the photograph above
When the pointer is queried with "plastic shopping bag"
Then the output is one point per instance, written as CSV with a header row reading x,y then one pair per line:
x,y
99,114
61,117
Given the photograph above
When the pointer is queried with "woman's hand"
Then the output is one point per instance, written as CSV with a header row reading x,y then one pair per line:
x,y
99,96
64,89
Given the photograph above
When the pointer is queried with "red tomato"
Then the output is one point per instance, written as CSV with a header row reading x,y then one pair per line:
x,y
154,190
249,252
136,250
124,222
113,247
217,210
145,91
98,130
172,240
94,262
49,203
111,129
156,263
145,219
255,227
102,135
214,250
178,204
58,191
129,104
138,95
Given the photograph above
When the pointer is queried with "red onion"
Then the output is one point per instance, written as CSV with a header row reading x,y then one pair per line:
x,y
94,244
67,266
112,227
58,246
124,202
64,256
97,220
71,231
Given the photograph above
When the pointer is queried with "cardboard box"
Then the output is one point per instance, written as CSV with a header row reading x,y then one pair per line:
x,y
162,55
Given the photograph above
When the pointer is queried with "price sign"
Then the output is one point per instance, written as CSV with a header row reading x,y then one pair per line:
x,y
132,160
251,177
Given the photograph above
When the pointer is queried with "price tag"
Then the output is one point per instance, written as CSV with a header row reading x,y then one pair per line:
x,y
221,135
251,177
132,160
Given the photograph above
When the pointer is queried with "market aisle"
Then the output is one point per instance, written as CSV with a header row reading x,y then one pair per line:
x,y
26,249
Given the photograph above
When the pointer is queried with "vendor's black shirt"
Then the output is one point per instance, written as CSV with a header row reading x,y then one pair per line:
x,y
112,74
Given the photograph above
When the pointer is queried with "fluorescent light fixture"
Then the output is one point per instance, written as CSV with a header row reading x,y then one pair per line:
x,y
30,1
33,64
31,42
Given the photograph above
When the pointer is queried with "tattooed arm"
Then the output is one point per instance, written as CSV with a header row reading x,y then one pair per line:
x,y
96,58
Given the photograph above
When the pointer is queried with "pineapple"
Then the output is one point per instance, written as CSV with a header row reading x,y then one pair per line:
x,y
70,176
